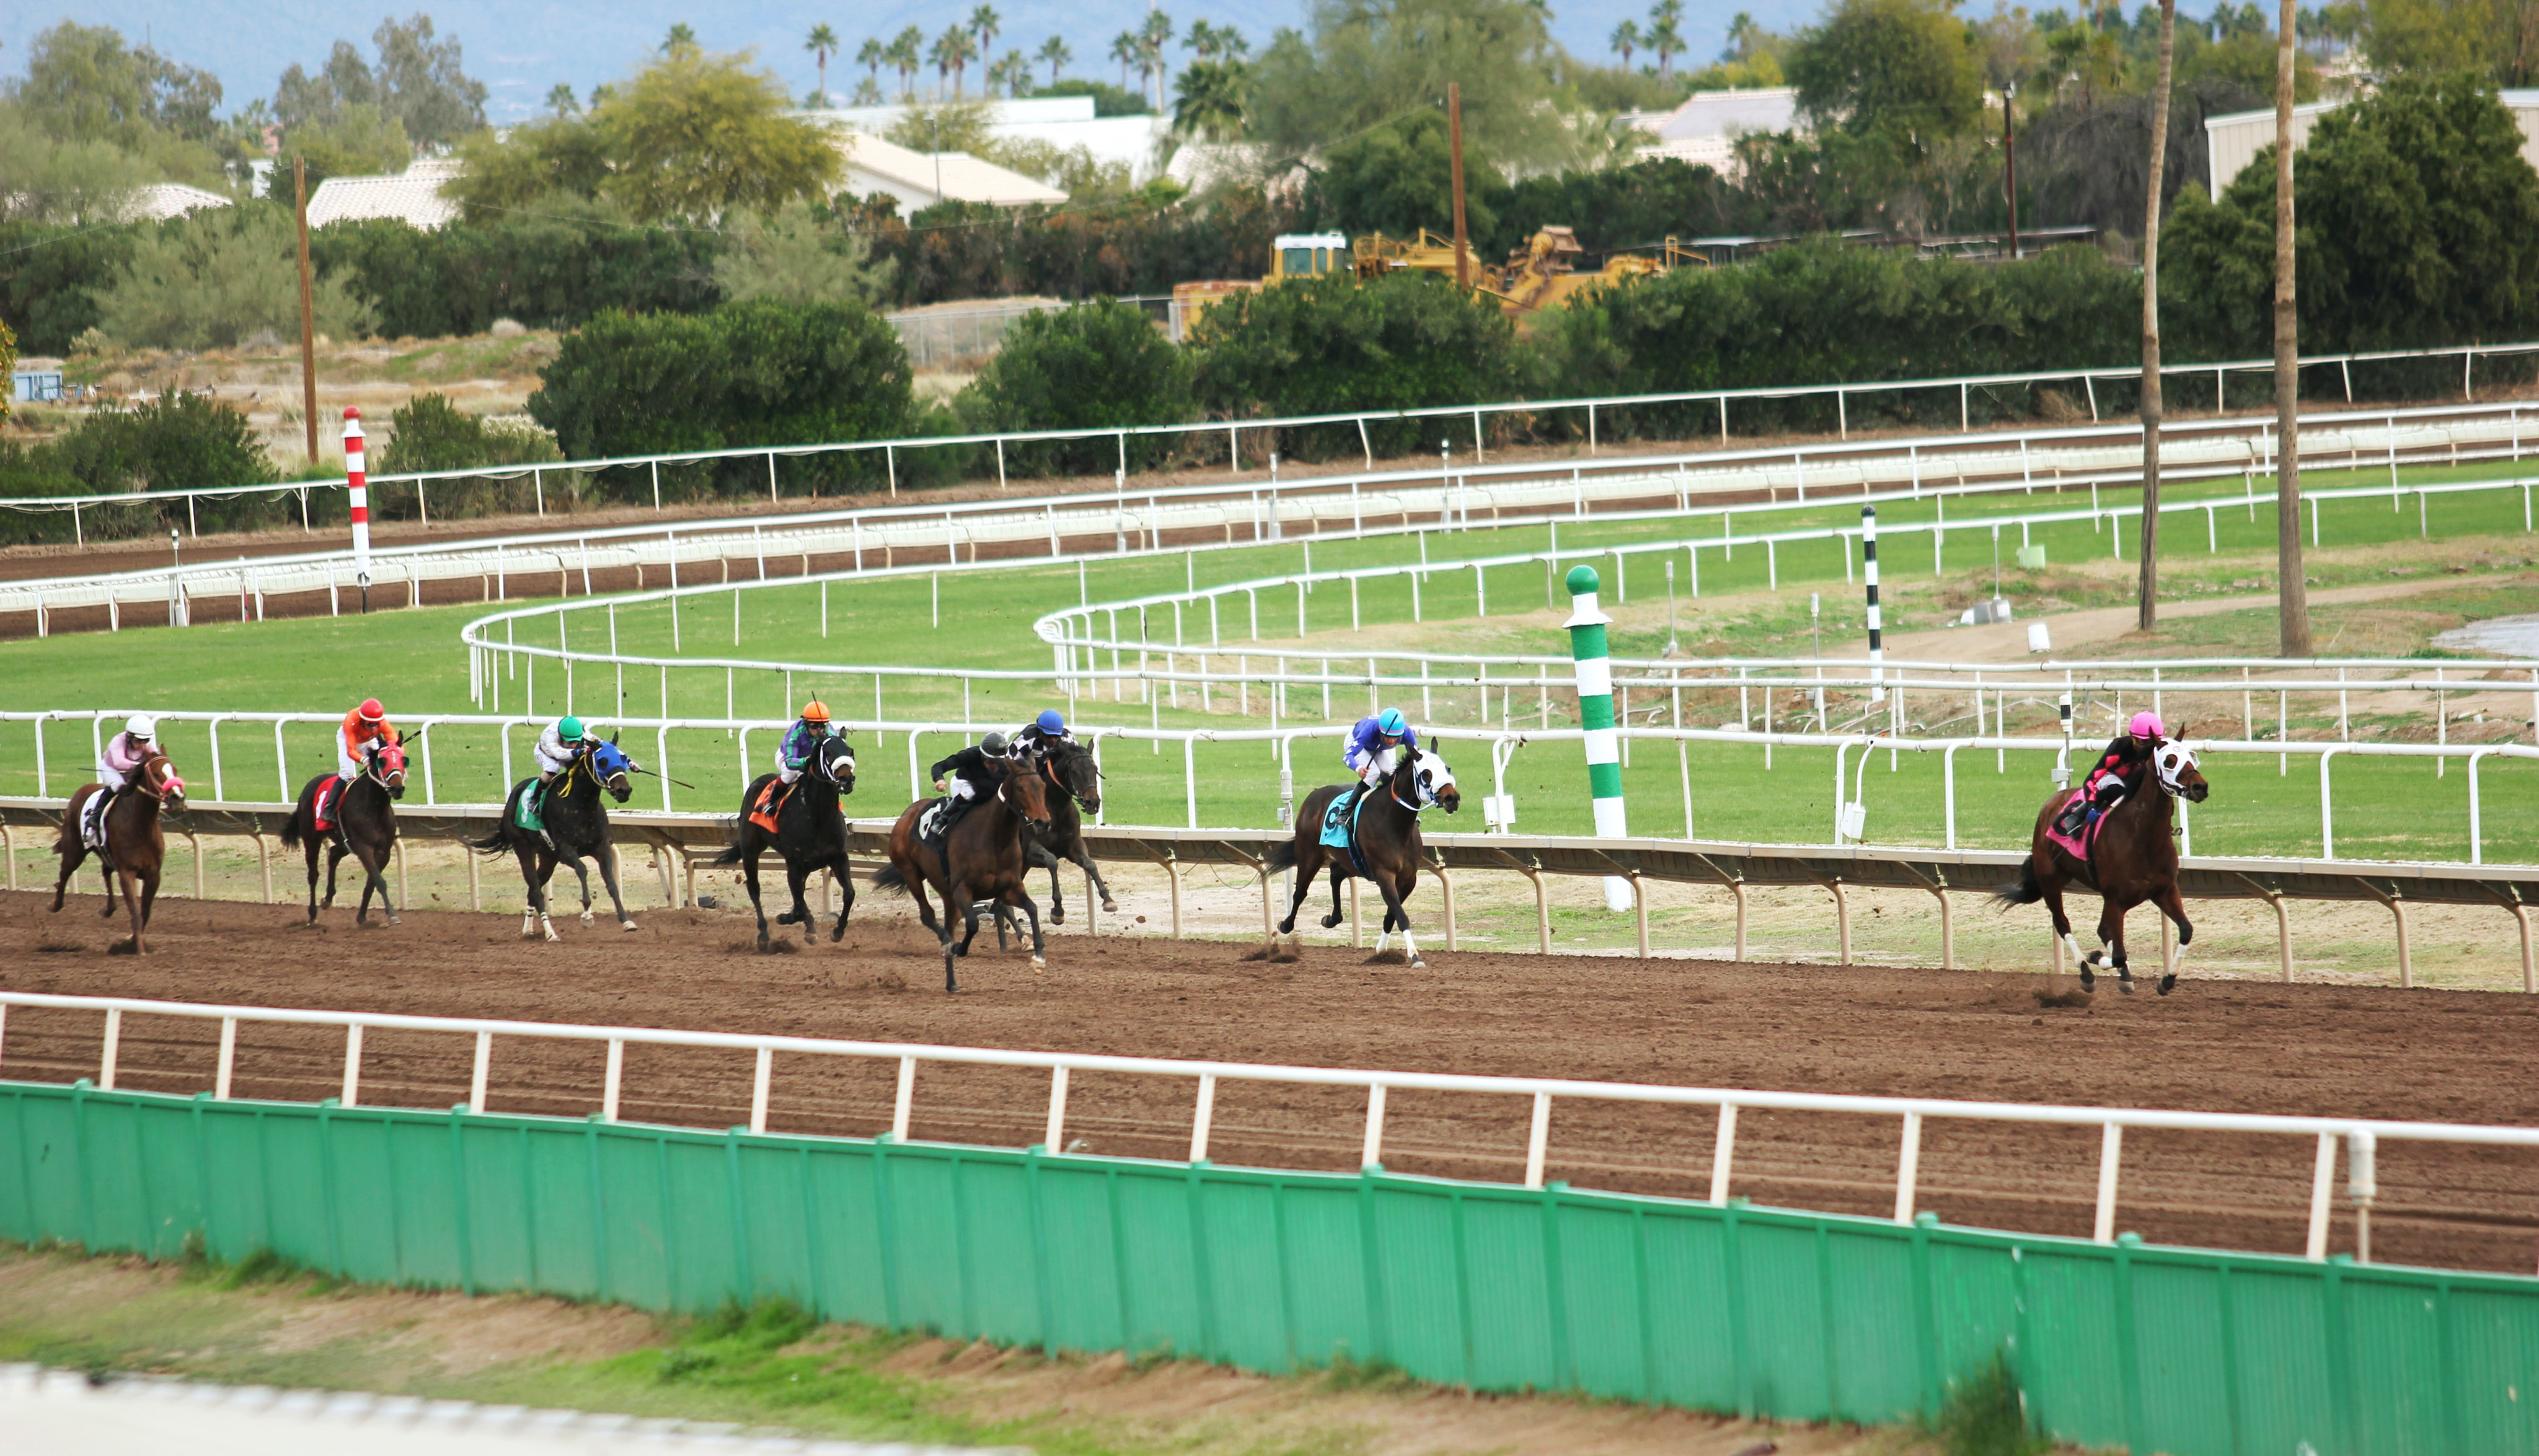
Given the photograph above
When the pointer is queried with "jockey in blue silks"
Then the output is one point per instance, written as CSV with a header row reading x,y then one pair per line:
x,y
1372,749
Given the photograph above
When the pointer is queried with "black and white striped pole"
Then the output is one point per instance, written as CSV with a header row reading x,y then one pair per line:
x,y
1868,574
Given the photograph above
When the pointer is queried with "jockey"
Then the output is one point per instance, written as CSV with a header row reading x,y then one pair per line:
x,y
965,773
1032,742
365,727
2118,772
564,741
122,755
794,754
1370,751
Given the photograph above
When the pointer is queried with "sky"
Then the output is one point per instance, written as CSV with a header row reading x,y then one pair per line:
x,y
519,48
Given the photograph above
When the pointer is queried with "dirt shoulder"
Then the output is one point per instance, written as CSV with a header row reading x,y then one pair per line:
x,y
774,1369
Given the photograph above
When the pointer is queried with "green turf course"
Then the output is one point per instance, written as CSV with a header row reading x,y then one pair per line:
x,y
2395,808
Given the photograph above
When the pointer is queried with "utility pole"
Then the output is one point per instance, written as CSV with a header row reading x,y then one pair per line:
x,y
2010,164
307,311
1455,156
2147,610
2292,591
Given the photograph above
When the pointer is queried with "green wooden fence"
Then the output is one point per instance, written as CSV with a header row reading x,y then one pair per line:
x,y
1735,1309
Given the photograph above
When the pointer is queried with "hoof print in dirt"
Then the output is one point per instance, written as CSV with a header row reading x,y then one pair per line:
x,y
1388,958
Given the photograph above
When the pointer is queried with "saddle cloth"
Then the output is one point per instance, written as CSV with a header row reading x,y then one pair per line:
x,y
771,802
2077,845
92,819
527,816
931,824
1336,821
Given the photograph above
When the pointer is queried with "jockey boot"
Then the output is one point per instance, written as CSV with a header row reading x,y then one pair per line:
x,y
2074,815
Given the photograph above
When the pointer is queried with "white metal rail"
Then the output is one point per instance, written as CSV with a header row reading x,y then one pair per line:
x,y
2360,1134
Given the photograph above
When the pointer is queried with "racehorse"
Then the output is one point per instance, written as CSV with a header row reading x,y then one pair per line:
x,y
135,846
1069,777
982,859
2133,858
1388,840
364,828
810,833
576,820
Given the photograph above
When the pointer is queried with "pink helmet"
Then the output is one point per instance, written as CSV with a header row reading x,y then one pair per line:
x,y
2146,725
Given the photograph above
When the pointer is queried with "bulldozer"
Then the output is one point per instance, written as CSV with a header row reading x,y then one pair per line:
x,y
1542,274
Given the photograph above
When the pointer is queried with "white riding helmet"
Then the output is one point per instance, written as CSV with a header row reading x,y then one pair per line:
x,y
143,728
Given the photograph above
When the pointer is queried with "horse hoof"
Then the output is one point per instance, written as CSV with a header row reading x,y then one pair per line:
x,y
2088,978
1040,963
1056,915
2168,984
784,917
587,921
1109,907
1418,965
2126,985
551,936
627,925
1330,921
395,920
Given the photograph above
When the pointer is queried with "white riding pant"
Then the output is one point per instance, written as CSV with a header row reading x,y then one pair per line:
x,y
111,778
548,765
960,788
1372,768
346,767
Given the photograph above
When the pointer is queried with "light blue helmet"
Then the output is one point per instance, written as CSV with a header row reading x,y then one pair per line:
x,y
1392,723
1050,722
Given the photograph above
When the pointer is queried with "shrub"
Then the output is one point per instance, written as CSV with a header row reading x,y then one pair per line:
x,y
177,442
429,433
1332,344
758,372
48,277
216,278
559,266
1097,364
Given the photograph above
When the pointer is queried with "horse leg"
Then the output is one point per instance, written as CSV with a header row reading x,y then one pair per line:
x,y
968,919
2173,904
2063,928
1083,860
380,878
546,868
1031,911
149,898
2112,936
72,858
1395,915
794,877
581,873
955,911
846,890
749,878
335,856
535,911
130,884
1305,871
1340,872
608,878
1040,857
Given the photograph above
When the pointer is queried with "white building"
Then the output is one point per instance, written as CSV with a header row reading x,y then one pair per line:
x,y
1064,122
924,178
160,201
2233,141
1704,131
410,196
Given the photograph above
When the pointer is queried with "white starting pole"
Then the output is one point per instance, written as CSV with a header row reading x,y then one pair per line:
x,y
357,478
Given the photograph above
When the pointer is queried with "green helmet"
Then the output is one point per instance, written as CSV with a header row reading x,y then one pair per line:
x,y
570,729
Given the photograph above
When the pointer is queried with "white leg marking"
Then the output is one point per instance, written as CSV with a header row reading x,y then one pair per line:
x,y
1383,938
2072,943
1411,950
528,924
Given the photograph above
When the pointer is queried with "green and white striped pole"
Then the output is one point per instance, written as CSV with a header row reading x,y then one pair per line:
x,y
1587,647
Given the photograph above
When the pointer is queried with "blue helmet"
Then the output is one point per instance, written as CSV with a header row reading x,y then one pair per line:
x,y
1048,722
1392,723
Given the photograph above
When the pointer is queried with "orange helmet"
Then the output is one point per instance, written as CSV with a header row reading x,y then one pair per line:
x,y
815,711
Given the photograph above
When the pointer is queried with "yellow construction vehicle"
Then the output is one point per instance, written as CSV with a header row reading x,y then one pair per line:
x,y
1539,275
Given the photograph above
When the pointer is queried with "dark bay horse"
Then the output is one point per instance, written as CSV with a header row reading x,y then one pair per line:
x,y
364,828
810,834
135,846
981,862
1388,836
2133,859
576,820
1069,778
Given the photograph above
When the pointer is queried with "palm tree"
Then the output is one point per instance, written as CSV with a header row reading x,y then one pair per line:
x,y
870,55
1744,36
2147,614
1126,48
560,100
1158,34
1209,101
1201,41
1663,36
983,23
822,43
905,54
1053,50
953,51
681,38
1627,39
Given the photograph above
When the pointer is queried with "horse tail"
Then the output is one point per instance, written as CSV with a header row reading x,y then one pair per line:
x,y
290,830
2025,891
1281,855
888,877
729,856
495,843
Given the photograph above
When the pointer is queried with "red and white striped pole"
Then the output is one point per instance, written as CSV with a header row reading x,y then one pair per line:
x,y
357,477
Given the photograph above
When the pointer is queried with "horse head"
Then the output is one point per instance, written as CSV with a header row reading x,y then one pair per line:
x,y
1027,794
387,765
2176,765
835,761
1070,768
159,780
614,771
1431,781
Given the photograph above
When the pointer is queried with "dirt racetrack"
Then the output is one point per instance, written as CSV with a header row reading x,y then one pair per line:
x,y
2217,1045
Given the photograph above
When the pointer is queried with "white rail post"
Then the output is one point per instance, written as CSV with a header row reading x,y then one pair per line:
x,y
2111,1144
1371,1152
1051,1138
2322,1183
476,1077
616,1080
759,1084
903,1099
1201,1117
351,1065
113,1043
1723,1153
1908,1167
1537,1141
222,1073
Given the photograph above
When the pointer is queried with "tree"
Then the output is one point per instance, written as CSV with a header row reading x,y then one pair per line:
x,y
2495,39
1666,34
696,135
905,56
1208,101
72,182
1902,66
216,278
358,140
2290,588
563,154
1625,40
1126,49
1157,34
682,37
1364,63
788,256
951,55
1053,51
83,84
1099,365
984,24
822,43
2147,614
1398,179
421,85
561,101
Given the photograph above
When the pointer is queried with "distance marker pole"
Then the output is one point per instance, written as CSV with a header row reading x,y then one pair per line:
x,y
1588,648
1868,574
357,476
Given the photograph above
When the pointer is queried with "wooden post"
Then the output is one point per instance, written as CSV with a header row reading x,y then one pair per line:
x,y
1455,163
307,312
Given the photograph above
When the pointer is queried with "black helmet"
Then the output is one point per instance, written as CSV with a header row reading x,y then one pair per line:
x,y
993,745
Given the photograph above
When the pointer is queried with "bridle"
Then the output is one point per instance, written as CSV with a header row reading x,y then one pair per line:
x,y
1048,771
1410,760
142,782
2186,760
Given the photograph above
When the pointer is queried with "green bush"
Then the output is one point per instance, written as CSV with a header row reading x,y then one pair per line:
x,y
1398,179
1823,312
216,278
429,433
1097,364
177,442
557,267
1332,344
757,372
48,277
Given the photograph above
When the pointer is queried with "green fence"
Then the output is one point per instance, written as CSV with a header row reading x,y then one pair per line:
x,y
1761,1312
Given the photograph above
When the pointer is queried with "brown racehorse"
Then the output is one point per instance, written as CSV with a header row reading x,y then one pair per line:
x,y
2133,859
1388,837
364,828
135,846
982,861
1068,777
